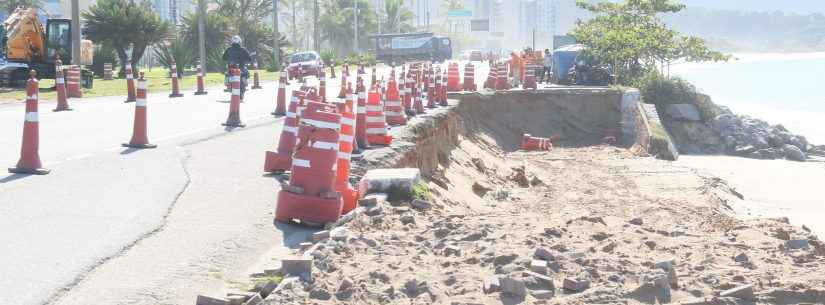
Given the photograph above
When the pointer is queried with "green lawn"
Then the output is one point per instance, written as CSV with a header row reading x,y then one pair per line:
x,y
157,79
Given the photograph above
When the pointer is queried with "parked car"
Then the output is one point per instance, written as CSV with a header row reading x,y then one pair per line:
x,y
304,64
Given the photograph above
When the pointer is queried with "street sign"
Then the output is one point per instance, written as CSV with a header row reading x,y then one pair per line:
x,y
459,13
480,25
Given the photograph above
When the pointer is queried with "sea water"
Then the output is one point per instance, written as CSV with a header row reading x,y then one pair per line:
x,y
787,89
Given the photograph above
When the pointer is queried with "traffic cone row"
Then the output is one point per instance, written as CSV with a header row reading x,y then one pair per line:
x,y
60,84
29,162
175,84
140,138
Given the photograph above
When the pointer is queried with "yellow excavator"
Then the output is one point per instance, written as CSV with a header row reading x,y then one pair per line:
x,y
29,46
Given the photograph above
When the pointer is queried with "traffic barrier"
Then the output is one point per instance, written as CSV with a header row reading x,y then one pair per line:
x,y
530,77
377,133
256,77
107,71
311,196
234,117
470,77
201,89
139,135
322,91
130,83
502,82
73,82
361,116
29,162
280,99
175,84
60,85
453,82
393,109
346,139
492,77
281,159
529,142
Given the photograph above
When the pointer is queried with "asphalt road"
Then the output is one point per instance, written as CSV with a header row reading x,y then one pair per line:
x,y
112,225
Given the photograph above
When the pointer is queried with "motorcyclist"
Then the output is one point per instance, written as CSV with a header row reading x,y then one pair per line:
x,y
238,56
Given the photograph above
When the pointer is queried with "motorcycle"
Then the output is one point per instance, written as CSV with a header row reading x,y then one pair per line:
x,y
244,78
584,74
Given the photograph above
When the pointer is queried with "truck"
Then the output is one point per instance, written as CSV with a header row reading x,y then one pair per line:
x,y
394,49
30,46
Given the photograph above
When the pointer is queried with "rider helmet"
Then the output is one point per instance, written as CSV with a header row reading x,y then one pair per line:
x,y
236,39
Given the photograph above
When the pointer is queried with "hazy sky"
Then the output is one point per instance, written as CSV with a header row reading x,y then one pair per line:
x,y
796,6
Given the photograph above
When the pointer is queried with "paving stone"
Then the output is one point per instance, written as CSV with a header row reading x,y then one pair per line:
x,y
538,266
491,284
390,180
576,284
374,199
296,266
513,287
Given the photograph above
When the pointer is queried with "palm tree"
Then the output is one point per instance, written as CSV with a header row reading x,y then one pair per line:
x,y
10,5
335,24
398,19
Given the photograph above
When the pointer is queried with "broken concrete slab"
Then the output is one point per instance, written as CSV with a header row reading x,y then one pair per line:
x,y
576,284
543,294
536,281
296,266
421,204
796,244
668,266
513,287
742,292
396,182
491,284
373,199
538,266
205,300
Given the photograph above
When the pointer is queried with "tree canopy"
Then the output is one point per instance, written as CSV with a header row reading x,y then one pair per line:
x,y
120,23
630,37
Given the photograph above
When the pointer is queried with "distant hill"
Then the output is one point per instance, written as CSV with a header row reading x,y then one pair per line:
x,y
790,6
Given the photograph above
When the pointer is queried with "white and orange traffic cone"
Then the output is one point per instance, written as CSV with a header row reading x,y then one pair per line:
x,y
73,82
407,84
490,83
342,93
234,117
442,92
322,87
29,162
281,160
453,81
256,78
280,101
430,83
361,116
377,131
201,89
502,83
469,77
130,83
419,94
140,138
175,84
60,84
393,109
346,140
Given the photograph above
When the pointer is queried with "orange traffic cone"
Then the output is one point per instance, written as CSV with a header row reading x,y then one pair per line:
x,y
469,77
256,78
376,122
346,140
107,71
130,84
281,160
139,136
361,116
322,87
201,90
175,85
393,108
234,118
29,157
60,84
430,83
280,102
453,83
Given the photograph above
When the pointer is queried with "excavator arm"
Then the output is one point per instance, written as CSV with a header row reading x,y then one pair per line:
x,y
25,36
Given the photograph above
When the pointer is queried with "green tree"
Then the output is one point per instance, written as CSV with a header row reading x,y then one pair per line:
x,y
452,4
10,5
397,18
630,37
336,24
247,19
217,33
121,23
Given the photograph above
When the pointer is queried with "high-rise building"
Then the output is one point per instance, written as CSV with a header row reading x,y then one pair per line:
x,y
546,23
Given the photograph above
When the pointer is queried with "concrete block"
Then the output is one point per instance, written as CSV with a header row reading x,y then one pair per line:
x,y
320,235
373,199
205,300
544,254
296,266
538,266
398,181
576,284
491,284
796,244
742,292
536,281
513,287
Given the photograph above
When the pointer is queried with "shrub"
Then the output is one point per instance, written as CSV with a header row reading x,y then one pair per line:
x,y
178,51
661,90
328,56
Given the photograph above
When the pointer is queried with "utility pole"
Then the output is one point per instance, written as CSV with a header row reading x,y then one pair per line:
x,y
315,38
75,32
202,34
276,36
355,25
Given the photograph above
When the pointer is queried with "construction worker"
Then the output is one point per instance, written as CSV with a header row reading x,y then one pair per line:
x,y
515,68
